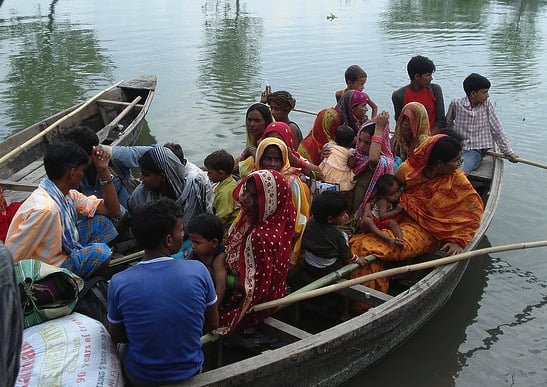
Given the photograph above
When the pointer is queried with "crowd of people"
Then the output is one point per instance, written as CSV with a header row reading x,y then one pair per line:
x,y
223,238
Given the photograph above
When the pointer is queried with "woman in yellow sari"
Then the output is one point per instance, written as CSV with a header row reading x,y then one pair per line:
x,y
272,153
411,130
443,209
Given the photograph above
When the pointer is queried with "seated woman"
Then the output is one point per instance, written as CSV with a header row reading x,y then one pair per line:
x,y
373,158
257,248
164,175
444,210
411,130
283,132
272,153
257,118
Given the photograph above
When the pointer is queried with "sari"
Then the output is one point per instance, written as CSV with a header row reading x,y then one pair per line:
x,y
258,252
419,126
325,123
7,212
300,193
443,209
384,165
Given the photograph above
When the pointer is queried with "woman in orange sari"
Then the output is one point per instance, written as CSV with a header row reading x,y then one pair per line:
x,y
443,209
325,123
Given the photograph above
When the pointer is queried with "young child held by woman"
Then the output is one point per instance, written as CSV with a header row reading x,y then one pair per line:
x,y
385,211
335,168
206,233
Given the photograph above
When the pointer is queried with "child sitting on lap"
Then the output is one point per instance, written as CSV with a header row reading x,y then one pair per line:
x,y
386,211
206,232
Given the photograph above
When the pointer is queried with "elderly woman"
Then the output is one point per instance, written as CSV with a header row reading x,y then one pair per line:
x,y
258,248
444,210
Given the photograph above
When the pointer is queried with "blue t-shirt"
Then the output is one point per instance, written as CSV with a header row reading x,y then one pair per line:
x,y
162,305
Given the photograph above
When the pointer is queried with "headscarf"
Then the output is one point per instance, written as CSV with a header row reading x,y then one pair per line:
x,y
349,100
385,162
283,130
300,192
325,123
419,125
419,160
259,252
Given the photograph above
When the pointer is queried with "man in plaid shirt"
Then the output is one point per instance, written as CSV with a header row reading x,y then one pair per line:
x,y
474,117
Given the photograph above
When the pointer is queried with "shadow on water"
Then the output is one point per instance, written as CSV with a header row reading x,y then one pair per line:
x,y
437,342
229,61
52,65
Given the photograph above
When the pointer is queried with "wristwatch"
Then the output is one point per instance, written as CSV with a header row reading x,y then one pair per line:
x,y
105,182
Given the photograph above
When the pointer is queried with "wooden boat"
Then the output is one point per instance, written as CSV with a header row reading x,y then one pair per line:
x,y
333,355
116,115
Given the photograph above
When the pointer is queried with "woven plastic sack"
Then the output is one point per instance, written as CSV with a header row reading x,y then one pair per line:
x,y
47,291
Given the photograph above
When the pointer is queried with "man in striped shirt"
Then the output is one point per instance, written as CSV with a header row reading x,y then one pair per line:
x,y
474,117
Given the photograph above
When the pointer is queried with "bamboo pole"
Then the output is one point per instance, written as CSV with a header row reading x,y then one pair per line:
x,y
398,270
518,160
304,111
34,139
123,113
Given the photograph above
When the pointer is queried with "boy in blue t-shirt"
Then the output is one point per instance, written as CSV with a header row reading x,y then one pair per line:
x,y
161,306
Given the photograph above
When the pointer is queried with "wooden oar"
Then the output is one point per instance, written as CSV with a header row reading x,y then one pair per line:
x,y
391,272
519,160
34,139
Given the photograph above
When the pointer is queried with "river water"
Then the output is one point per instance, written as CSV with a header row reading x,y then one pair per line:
x,y
212,59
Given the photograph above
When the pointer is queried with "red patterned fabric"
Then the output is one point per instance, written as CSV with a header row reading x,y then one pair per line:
x,y
258,252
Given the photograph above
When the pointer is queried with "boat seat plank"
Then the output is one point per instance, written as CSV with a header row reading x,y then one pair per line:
x,y
484,171
286,329
117,103
363,293
29,170
17,186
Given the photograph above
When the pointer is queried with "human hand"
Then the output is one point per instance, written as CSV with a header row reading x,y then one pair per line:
x,y
325,151
513,157
452,248
265,94
382,120
100,158
362,261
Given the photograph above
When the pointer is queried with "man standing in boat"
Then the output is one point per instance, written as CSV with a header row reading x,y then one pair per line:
x,y
46,226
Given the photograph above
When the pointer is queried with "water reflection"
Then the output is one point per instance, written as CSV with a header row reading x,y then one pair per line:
x,y
464,28
45,55
230,60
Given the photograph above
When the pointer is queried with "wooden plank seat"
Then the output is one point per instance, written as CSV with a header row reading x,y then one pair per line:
x,y
484,171
117,103
365,294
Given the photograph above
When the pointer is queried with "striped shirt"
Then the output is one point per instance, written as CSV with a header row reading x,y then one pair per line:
x,y
480,125
36,230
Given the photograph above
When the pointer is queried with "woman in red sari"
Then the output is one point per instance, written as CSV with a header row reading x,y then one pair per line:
x,y
258,248
444,210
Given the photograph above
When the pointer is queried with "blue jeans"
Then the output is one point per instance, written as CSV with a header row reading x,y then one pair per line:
x,y
472,158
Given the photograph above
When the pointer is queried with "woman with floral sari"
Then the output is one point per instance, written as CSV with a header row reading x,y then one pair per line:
x,y
272,153
443,209
325,123
411,130
257,249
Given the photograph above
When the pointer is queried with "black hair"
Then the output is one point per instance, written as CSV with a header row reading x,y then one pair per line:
x,y
344,136
369,128
207,225
419,65
264,111
328,203
444,150
177,150
283,99
452,133
475,82
353,73
220,160
153,221
61,156
84,136
384,183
